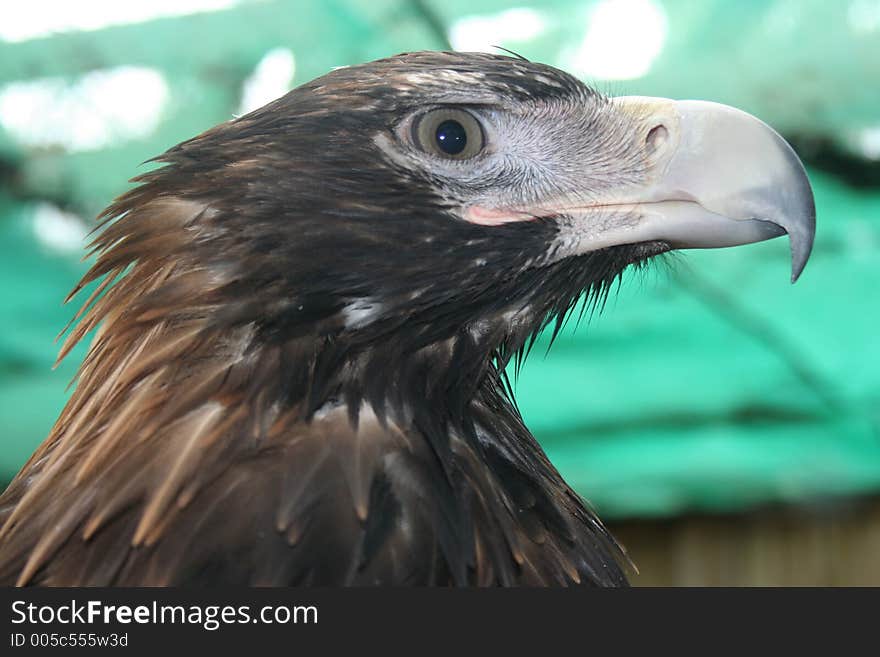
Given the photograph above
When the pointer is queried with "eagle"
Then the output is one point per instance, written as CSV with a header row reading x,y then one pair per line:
x,y
302,321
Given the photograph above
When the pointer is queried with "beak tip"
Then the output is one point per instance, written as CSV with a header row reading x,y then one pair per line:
x,y
797,268
802,245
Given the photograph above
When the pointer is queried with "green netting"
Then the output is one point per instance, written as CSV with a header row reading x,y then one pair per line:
x,y
708,383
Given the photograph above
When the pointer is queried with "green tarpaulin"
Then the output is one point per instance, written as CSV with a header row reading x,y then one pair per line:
x,y
708,383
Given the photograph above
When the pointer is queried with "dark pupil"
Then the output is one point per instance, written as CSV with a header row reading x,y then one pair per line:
x,y
451,137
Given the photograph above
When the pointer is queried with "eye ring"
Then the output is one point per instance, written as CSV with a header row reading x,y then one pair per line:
x,y
449,133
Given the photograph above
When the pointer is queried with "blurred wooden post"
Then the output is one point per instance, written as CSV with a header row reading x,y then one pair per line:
x,y
833,546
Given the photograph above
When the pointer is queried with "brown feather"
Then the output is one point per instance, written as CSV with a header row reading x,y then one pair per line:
x,y
216,433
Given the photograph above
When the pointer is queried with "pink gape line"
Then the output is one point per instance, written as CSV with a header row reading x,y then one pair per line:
x,y
477,214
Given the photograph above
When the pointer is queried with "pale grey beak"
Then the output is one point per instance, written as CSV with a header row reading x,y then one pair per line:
x,y
742,182
713,176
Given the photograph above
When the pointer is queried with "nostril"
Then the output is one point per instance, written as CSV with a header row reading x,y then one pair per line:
x,y
657,137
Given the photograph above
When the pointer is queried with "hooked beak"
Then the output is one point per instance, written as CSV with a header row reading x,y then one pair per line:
x,y
710,176
714,177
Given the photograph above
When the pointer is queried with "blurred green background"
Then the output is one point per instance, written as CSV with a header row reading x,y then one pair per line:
x,y
711,404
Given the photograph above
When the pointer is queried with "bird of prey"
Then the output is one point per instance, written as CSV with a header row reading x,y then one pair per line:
x,y
303,319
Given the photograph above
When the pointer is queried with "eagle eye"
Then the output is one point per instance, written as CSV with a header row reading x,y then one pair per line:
x,y
454,134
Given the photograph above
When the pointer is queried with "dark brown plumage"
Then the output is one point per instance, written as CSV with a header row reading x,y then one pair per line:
x,y
297,374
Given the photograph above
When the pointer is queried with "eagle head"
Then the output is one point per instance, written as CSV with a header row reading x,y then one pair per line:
x,y
440,196
306,313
